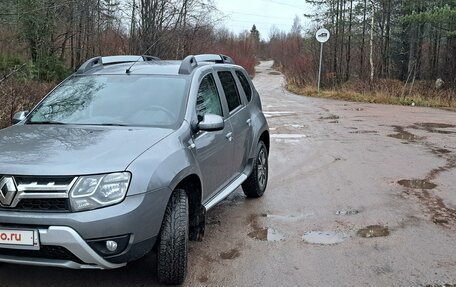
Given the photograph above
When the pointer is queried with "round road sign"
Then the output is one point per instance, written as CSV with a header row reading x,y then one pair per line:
x,y
322,35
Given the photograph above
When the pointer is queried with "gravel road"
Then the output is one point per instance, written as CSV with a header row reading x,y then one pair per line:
x,y
358,195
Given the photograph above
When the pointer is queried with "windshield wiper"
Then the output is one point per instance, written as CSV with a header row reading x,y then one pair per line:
x,y
46,123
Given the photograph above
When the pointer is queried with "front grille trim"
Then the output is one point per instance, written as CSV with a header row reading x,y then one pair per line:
x,y
49,196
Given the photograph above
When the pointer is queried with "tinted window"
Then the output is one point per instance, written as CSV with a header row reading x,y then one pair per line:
x,y
245,85
230,89
208,100
116,99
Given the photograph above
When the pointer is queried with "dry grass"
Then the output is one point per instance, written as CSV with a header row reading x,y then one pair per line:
x,y
379,96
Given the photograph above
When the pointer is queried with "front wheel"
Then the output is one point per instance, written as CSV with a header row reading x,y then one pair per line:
x,y
256,183
173,241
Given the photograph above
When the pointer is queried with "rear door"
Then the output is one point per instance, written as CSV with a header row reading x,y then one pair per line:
x,y
239,118
213,149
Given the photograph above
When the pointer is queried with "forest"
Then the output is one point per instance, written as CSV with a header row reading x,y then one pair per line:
x,y
388,51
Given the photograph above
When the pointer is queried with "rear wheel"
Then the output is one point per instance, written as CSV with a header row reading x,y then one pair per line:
x,y
256,183
172,249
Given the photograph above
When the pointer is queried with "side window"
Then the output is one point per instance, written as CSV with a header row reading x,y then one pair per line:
x,y
230,89
208,100
245,85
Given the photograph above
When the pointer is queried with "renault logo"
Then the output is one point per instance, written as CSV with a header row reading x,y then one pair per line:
x,y
8,190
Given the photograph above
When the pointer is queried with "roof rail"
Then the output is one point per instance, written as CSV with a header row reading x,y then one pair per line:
x,y
188,65
216,58
111,60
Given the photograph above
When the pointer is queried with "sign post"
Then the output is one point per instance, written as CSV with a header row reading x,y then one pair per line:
x,y
322,37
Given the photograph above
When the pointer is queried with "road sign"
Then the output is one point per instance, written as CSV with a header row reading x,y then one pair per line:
x,y
322,35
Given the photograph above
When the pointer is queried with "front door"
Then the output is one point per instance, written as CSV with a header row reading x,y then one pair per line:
x,y
213,149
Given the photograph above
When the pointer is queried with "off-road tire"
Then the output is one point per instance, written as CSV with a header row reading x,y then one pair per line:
x,y
172,247
253,186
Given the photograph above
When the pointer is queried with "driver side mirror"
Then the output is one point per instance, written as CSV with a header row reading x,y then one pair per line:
x,y
19,117
211,122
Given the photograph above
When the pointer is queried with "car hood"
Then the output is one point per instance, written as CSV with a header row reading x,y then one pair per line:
x,y
73,150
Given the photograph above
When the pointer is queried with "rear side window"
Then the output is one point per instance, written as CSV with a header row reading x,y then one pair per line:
x,y
208,101
245,85
230,89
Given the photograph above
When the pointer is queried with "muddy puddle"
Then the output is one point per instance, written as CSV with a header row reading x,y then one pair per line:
x,y
364,132
417,183
402,134
324,237
373,231
274,73
266,234
230,254
262,233
347,212
331,117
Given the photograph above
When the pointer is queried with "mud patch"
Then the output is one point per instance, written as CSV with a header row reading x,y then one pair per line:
x,y
417,183
373,231
275,73
334,122
402,134
324,237
203,278
230,254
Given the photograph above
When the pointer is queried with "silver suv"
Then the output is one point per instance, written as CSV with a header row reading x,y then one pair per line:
x,y
126,156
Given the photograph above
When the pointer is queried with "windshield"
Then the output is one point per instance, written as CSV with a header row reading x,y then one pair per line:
x,y
125,100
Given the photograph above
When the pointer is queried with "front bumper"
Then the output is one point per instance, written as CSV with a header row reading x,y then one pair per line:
x,y
139,216
68,238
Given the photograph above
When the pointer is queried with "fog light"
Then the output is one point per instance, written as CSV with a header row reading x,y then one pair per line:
x,y
111,245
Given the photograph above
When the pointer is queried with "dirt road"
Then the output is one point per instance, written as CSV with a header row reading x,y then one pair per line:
x,y
340,174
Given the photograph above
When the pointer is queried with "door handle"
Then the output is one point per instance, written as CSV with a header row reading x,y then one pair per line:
x,y
229,136
249,122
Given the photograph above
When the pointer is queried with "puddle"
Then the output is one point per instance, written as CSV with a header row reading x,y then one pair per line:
x,y
266,234
402,134
288,136
274,73
278,114
230,254
373,231
347,212
295,126
364,132
331,117
324,237
441,151
288,218
417,183
435,125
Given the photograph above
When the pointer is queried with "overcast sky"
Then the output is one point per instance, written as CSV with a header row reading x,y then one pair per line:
x,y
242,14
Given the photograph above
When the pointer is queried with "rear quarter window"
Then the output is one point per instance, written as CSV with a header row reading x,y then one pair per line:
x,y
245,85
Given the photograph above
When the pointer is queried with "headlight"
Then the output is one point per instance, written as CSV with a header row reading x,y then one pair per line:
x,y
95,191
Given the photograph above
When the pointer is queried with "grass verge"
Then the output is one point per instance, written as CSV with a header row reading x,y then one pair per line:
x,y
373,97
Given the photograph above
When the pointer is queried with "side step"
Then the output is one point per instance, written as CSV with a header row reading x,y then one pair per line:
x,y
225,192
